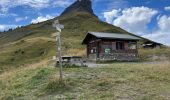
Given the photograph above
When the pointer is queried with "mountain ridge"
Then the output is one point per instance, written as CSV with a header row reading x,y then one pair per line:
x,y
68,14
41,44
79,6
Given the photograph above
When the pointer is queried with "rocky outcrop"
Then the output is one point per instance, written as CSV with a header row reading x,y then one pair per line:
x,y
80,6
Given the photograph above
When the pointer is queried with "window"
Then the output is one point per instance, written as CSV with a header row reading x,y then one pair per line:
x,y
93,50
120,46
113,45
132,45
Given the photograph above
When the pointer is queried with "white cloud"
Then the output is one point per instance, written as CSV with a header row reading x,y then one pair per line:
x,y
6,27
162,34
159,37
18,19
111,15
8,14
167,8
135,19
114,4
61,3
5,5
164,23
41,19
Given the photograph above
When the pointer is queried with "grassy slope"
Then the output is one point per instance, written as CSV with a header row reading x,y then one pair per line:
x,y
34,42
162,54
25,52
115,81
76,25
14,52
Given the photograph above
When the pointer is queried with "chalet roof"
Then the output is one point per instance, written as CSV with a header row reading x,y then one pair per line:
x,y
102,35
114,35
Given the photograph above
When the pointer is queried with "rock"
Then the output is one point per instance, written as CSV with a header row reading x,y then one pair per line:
x,y
80,6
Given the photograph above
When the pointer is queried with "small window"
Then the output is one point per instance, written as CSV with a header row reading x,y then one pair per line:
x,y
132,45
93,50
120,46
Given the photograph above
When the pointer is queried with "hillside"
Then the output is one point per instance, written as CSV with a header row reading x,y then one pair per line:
x,y
34,42
78,19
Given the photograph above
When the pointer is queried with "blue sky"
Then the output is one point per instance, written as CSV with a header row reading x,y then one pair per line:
x,y
148,18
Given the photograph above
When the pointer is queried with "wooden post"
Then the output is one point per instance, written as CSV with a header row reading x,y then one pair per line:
x,y
58,42
59,56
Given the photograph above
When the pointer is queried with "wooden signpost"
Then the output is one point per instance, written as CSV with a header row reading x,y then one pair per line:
x,y
59,27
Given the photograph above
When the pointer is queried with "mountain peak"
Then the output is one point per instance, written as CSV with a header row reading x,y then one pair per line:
x,y
80,6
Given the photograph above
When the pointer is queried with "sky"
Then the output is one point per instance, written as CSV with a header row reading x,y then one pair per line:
x,y
147,18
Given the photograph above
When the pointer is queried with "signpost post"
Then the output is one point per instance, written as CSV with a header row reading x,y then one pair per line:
x,y
59,27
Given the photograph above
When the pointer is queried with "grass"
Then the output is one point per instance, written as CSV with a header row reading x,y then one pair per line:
x,y
142,81
34,42
25,52
154,54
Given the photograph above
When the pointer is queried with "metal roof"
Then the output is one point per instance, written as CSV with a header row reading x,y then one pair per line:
x,y
114,36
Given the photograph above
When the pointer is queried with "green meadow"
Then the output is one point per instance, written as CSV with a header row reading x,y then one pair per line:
x,y
116,81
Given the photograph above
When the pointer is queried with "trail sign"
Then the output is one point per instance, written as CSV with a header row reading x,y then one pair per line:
x,y
59,27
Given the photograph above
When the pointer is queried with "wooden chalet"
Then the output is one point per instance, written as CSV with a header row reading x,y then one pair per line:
x,y
111,46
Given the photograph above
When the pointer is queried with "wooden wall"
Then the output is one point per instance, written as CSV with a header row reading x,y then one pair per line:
x,y
100,46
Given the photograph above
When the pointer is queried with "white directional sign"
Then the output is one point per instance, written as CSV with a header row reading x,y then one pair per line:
x,y
59,27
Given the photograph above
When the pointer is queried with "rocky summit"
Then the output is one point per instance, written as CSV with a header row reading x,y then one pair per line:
x,y
80,6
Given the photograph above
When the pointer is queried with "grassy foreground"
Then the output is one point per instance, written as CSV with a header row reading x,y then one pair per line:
x,y
120,81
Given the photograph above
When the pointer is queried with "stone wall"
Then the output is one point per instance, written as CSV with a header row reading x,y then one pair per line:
x,y
115,56
92,57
